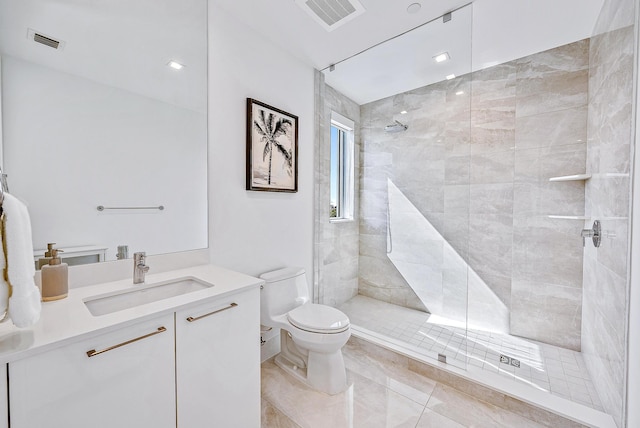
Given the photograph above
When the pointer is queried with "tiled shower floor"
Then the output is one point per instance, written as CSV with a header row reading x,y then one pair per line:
x,y
560,371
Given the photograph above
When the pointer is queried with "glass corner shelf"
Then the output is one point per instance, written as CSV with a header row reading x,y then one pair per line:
x,y
569,217
575,177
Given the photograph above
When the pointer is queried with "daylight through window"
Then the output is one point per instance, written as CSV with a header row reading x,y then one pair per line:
x,y
342,170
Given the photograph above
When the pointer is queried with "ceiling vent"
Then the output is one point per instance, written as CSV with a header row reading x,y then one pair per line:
x,y
331,14
45,40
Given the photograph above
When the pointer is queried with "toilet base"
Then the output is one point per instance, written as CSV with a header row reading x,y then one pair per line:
x,y
324,372
298,372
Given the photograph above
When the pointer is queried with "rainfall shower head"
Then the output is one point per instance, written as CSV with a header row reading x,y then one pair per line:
x,y
396,127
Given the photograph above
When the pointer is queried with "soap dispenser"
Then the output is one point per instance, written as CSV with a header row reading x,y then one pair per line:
x,y
47,256
55,278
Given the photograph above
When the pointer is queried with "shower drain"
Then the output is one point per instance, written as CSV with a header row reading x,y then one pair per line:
x,y
509,360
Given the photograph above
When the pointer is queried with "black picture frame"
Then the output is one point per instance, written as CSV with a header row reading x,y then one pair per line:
x,y
272,148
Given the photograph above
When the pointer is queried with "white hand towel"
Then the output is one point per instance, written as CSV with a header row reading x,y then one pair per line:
x,y
24,303
4,285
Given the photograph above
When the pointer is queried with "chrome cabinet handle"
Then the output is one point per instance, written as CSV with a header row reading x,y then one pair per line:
x,y
93,352
192,319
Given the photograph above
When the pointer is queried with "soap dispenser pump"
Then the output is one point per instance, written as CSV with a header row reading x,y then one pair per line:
x,y
47,255
55,278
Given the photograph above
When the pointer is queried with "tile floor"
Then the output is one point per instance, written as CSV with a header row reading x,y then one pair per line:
x,y
560,371
382,392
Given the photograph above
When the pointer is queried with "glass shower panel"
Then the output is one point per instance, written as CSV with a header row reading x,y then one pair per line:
x,y
413,136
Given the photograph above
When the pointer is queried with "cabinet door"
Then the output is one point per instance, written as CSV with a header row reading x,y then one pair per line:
x,y
4,398
131,385
218,363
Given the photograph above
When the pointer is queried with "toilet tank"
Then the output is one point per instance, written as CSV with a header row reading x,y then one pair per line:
x,y
284,290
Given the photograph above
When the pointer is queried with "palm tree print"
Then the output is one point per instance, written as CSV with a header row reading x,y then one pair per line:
x,y
270,130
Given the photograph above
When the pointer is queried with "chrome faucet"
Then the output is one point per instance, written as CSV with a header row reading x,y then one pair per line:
x,y
139,268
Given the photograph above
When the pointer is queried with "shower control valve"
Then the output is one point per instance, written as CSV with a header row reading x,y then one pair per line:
x,y
595,233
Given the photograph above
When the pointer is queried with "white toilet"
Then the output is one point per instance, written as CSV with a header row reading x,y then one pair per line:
x,y
311,335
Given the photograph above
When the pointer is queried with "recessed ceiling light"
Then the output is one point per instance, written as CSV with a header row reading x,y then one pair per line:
x,y
442,57
460,93
451,76
175,65
414,8
403,112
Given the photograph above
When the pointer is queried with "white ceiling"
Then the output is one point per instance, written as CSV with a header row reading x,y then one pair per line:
x,y
502,30
127,43
121,43
287,25
407,62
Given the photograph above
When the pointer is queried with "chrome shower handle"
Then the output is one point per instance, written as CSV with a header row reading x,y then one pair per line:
x,y
595,233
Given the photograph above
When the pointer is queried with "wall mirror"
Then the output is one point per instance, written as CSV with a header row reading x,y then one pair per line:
x,y
104,104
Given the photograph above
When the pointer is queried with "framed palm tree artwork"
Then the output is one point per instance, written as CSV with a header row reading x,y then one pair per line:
x,y
272,148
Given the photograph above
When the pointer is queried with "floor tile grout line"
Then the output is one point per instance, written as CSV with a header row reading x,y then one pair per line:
x,y
281,411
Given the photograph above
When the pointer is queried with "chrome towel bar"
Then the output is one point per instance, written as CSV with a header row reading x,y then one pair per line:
x,y
103,208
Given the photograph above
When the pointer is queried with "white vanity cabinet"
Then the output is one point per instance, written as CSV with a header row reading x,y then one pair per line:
x,y
218,363
131,385
4,397
196,367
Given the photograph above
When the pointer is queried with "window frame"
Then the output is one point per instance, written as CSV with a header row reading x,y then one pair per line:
x,y
346,171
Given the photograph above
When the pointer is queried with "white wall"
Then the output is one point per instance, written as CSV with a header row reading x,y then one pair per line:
x,y
504,30
71,144
253,232
1,140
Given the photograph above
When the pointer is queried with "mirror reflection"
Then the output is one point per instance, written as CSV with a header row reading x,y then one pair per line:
x,y
104,104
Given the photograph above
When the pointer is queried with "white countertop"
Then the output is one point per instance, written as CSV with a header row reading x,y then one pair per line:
x,y
67,320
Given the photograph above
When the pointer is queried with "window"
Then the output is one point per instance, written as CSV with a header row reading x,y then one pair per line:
x,y
341,168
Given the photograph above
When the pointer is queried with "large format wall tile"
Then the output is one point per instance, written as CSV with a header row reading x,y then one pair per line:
x,y
547,252
404,178
490,243
607,197
550,141
492,167
603,359
553,128
538,164
609,291
491,198
550,306
494,91
337,247
553,80
477,172
491,137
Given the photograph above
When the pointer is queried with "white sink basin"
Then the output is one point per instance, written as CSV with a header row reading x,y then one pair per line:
x,y
120,300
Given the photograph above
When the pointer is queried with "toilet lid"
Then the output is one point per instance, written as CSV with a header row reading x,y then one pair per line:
x,y
318,318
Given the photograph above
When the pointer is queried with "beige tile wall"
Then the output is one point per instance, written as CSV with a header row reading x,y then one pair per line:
x,y
551,135
479,175
477,170
607,199
337,244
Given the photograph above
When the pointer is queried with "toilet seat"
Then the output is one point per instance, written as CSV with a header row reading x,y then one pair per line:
x,y
318,318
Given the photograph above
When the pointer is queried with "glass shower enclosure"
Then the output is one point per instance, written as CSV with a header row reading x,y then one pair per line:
x,y
400,269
